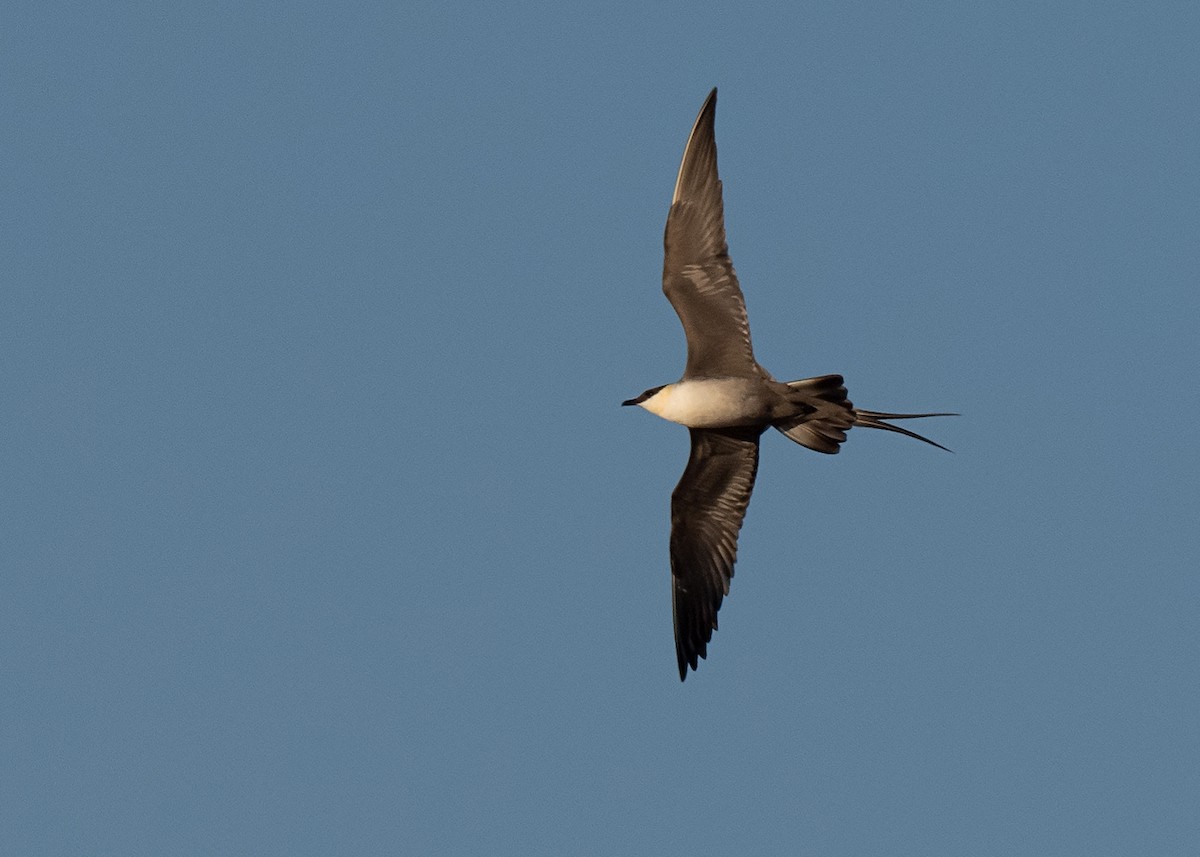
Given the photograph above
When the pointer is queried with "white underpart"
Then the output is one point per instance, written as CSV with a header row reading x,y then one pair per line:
x,y
713,403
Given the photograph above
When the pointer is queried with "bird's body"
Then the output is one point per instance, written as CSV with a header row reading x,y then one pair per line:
x,y
725,398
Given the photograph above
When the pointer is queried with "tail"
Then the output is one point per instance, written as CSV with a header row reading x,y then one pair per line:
x,y
878,420
827,415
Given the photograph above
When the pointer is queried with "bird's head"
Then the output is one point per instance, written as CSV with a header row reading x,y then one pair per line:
x,y
655,393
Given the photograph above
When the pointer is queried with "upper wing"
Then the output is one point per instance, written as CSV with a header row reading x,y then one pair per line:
x,y
707,509
698,276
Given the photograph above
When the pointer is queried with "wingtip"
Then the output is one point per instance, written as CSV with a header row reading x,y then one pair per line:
x,y
684,663
687,655
683,658
707,115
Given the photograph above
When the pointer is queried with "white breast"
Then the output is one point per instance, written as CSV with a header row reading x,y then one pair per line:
x,y
712,403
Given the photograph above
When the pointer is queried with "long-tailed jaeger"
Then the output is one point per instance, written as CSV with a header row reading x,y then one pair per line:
x,y
725,398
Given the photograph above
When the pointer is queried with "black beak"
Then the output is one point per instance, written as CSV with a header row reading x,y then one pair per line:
x,y
629,402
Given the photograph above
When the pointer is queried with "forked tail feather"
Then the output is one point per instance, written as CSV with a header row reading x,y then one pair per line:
x,y
878,420
827,414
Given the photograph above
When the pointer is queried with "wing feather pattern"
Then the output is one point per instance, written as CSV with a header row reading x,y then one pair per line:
x,y
707,509
698,275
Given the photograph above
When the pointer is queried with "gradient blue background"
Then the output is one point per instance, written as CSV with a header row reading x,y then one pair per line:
x,y
324,533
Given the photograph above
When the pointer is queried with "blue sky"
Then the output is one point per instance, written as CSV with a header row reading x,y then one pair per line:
x,y
323,529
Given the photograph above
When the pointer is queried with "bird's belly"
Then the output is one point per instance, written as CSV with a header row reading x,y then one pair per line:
x,y
715,403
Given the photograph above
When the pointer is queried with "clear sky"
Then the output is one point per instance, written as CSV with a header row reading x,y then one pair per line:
x,y
323,531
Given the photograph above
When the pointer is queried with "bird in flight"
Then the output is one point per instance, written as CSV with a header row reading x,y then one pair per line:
x,y
725,398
